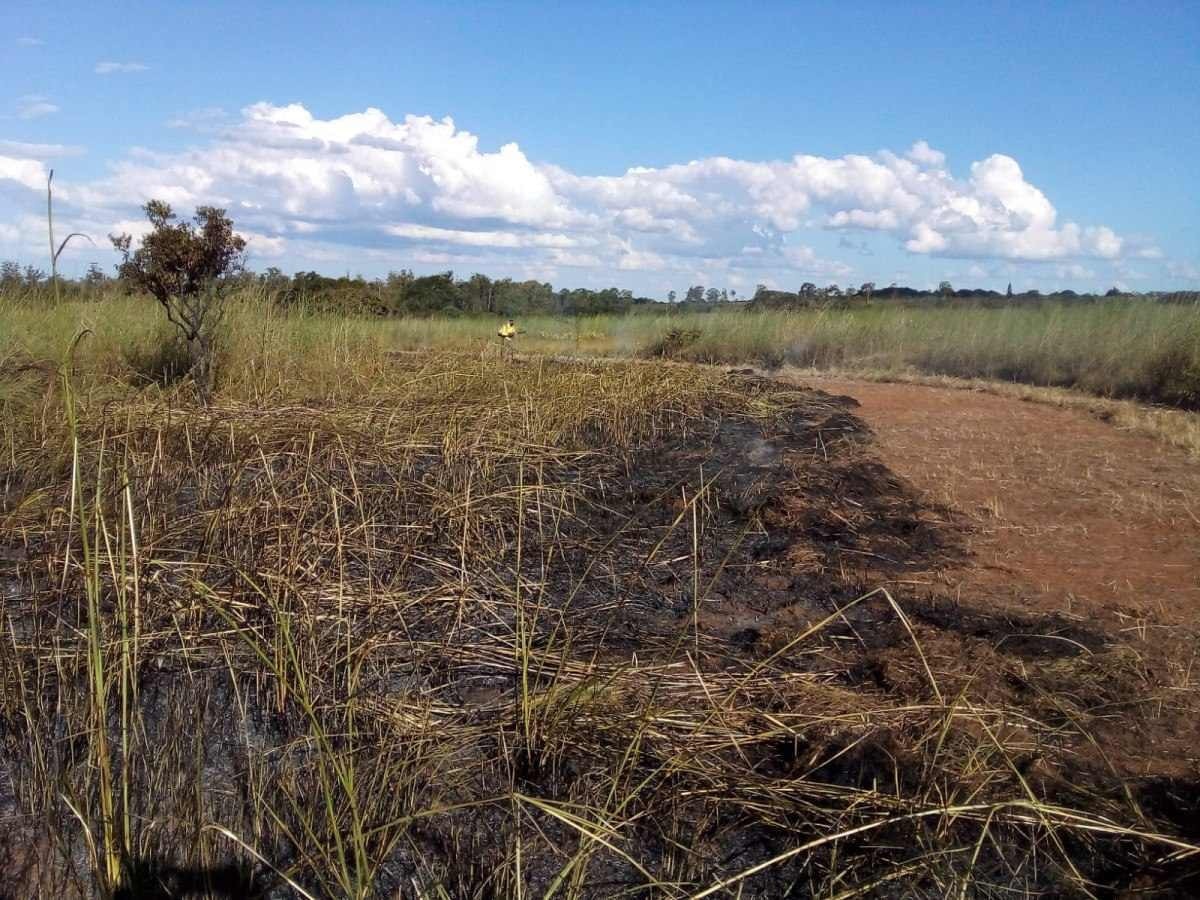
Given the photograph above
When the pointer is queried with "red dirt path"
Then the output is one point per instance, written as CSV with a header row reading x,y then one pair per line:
x,y
1072,515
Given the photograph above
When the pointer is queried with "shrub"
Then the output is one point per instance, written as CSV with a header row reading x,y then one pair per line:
x,y
672,343
186,267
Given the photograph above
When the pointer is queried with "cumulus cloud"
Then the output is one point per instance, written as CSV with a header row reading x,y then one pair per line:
x,y
922,154
113,68
425,189
261,246
925,240
27,173
35,106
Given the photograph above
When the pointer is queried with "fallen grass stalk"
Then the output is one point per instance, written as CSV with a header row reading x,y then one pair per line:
x,y
975,811
500,629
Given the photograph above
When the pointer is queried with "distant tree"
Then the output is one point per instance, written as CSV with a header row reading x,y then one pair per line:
x,y
186,267
808,289
833,291
432,293
33,276
274,277
945,289
733,293
671,295
759,288
1113,292
712,295
695,294
867,289
95,276
1008,293
10,274
481,294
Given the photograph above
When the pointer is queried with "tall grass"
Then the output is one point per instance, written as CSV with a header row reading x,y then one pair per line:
x,y
1121,348
1118,348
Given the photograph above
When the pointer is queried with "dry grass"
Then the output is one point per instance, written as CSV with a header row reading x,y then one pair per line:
x,y
1121,348
441,626
1084,358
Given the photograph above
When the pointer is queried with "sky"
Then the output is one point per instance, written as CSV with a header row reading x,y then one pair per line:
x,y
645,145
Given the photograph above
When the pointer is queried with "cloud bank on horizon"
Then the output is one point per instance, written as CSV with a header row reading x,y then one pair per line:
x,y
362,191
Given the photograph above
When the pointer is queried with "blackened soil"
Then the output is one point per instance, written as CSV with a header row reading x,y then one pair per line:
x,y
768,543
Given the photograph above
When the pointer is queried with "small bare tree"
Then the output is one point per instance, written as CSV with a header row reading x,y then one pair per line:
x,y
186,267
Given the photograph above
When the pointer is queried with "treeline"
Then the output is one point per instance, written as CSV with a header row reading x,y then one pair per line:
x,y
400,293
404,293
809,296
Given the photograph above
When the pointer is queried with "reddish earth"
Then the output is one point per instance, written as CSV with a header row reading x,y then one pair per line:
x,y
1069,517
1070,514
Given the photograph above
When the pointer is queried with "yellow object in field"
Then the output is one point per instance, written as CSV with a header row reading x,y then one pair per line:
x,y
507,330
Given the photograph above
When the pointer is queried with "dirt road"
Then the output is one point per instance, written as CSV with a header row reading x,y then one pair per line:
x,y
1071,515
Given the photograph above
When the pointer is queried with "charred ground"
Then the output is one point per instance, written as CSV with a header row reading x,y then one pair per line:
x,y
616,630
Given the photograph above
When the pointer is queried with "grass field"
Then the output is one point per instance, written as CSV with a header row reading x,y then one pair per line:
x,y
442,624
1120,348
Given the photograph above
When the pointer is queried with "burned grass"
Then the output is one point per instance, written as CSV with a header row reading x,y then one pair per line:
x,y
536,629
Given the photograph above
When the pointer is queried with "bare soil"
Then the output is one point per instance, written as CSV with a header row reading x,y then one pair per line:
x,y
1067,521
1069,515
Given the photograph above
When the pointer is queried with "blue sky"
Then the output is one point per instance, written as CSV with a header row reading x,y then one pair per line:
x,y
1050,146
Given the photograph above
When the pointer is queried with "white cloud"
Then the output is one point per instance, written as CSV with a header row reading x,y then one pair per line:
x,y
640,261
261,246
39,151
1075,271
922,154
805,261
27,41
480,238
35,106
1001,186
110,68
871,220
28,173
925,240
1183,270
423,189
